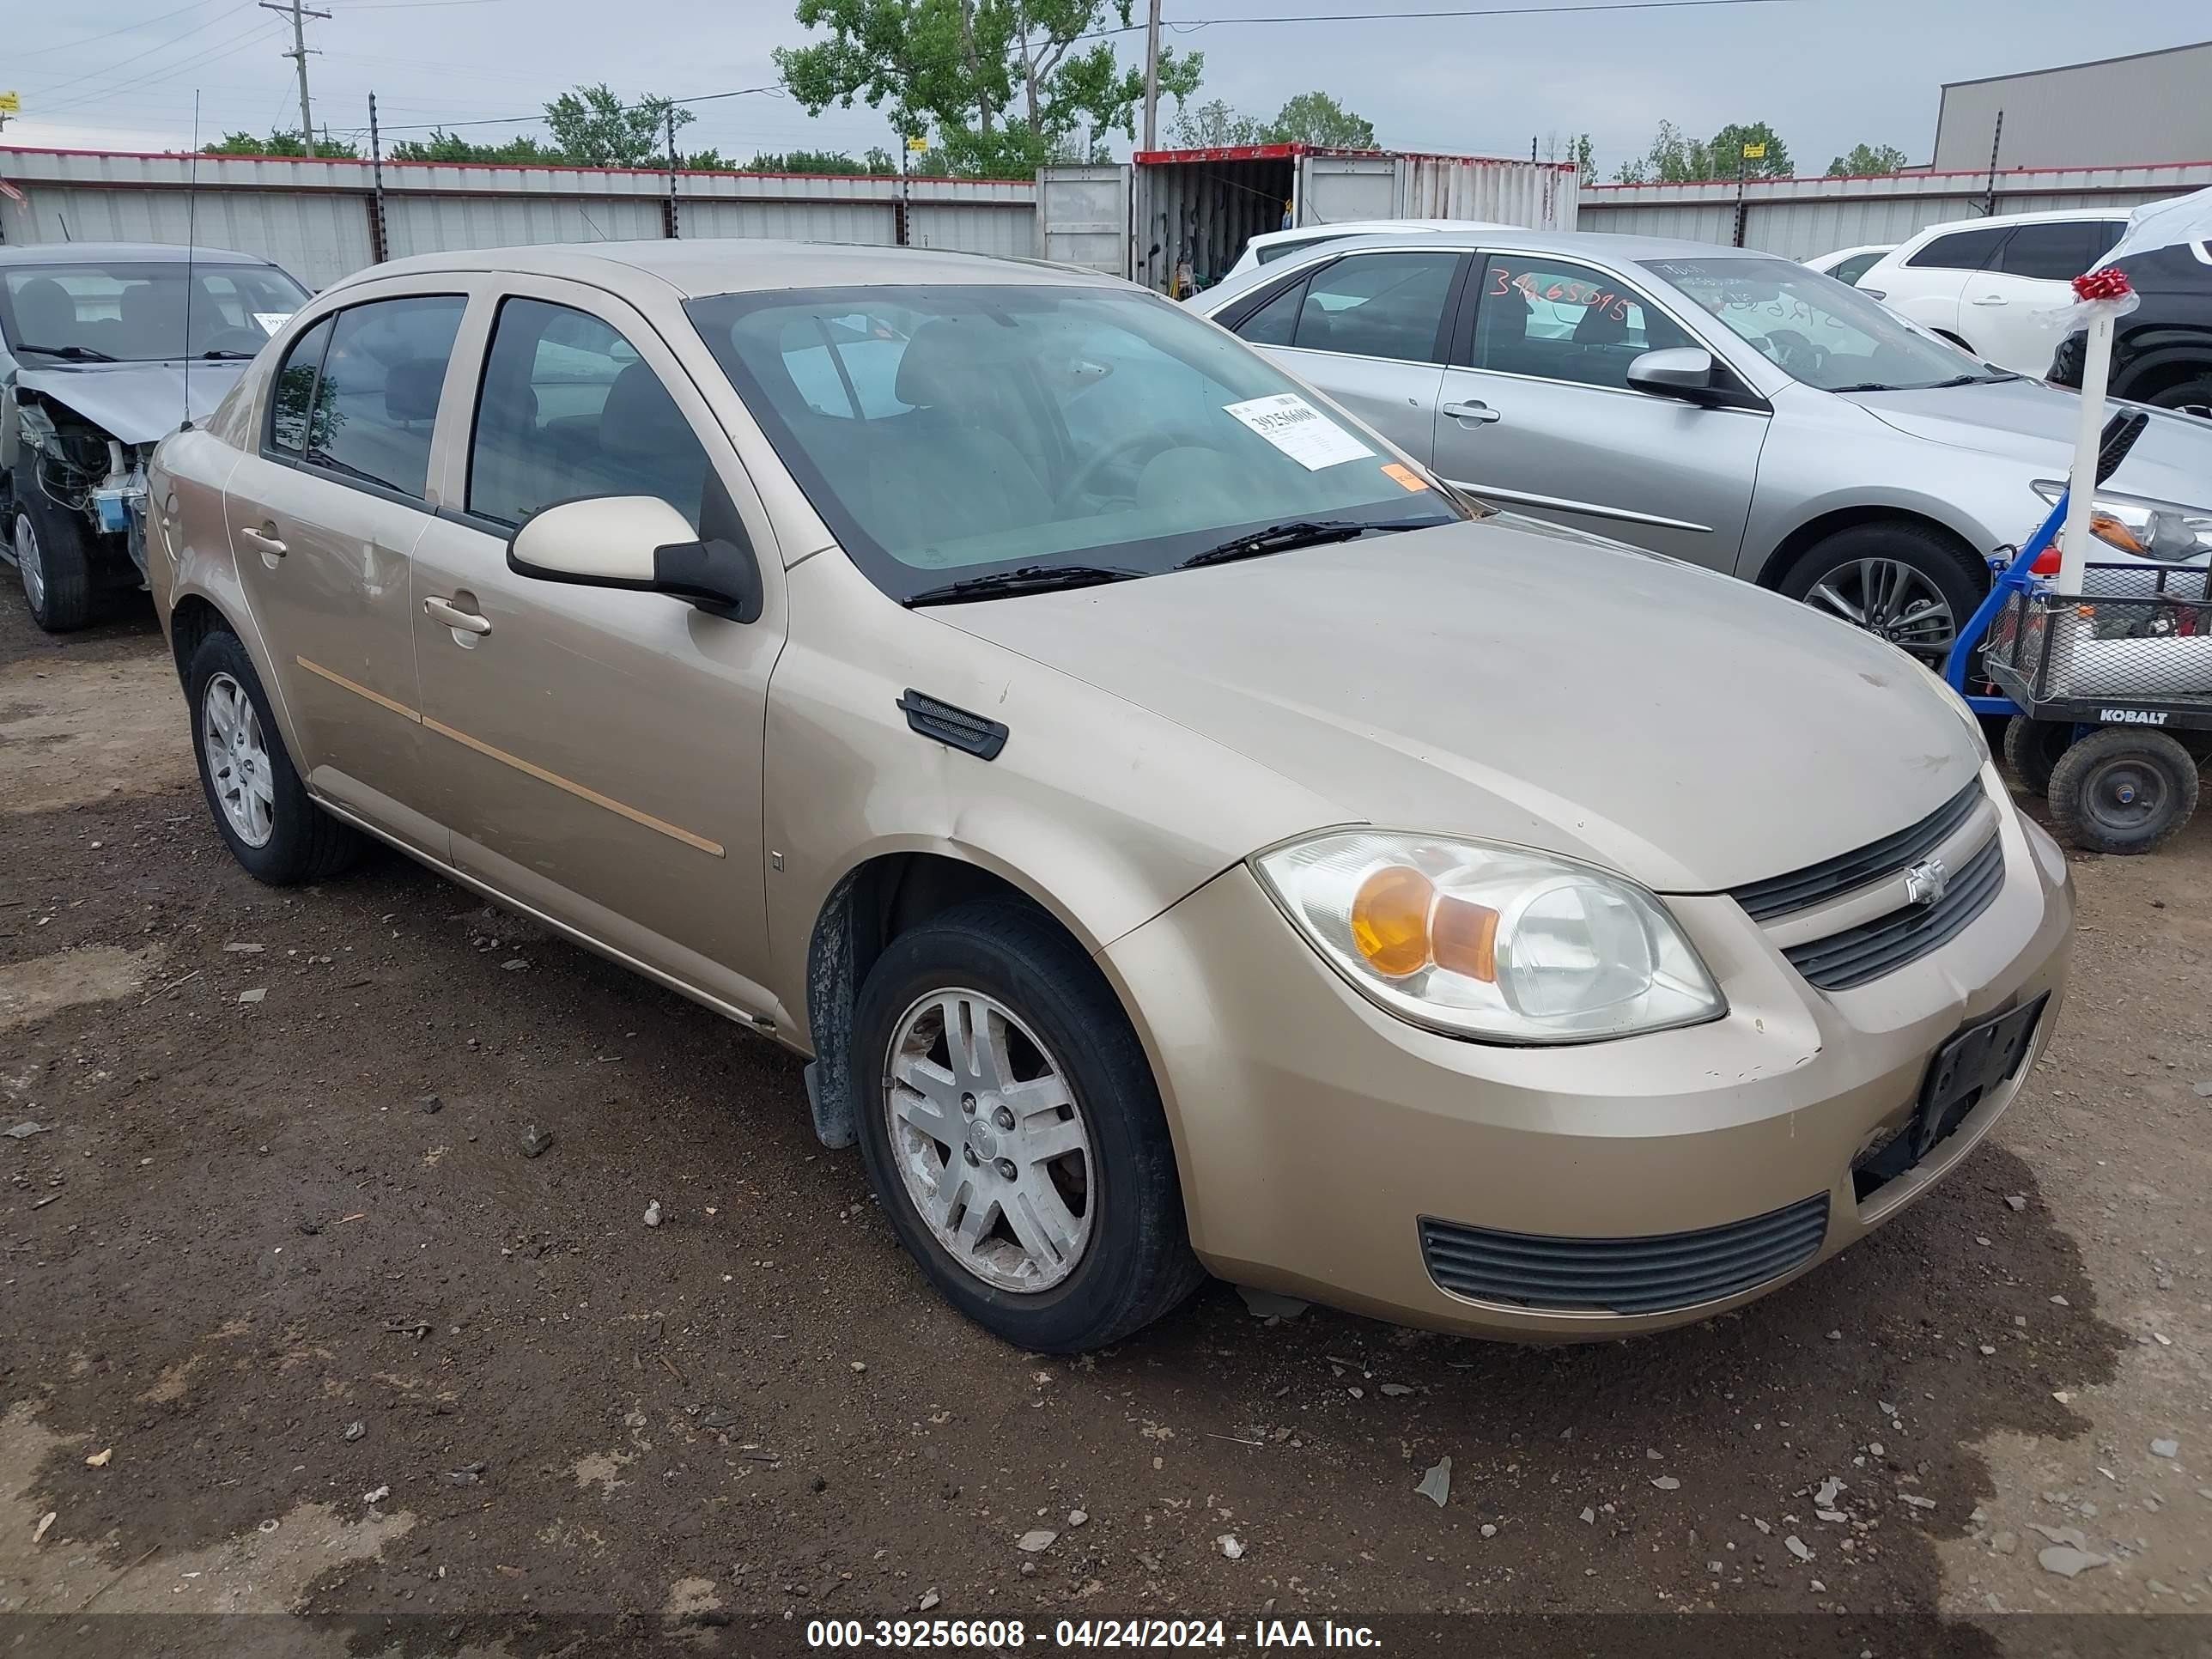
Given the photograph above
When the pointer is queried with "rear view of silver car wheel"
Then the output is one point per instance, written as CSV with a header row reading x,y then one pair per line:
x,y
1013,1133
1902,582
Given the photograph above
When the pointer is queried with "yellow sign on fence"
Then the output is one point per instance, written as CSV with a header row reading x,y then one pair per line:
x,y
1755,152
919,146
11,103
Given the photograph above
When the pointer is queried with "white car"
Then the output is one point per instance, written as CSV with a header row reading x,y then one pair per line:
x,y
1848,264
1990,284
1270,246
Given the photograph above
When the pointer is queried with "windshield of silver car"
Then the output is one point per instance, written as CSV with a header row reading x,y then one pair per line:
x,y
1817,329
988,438
129,312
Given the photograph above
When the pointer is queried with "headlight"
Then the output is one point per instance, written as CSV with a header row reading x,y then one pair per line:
x,y
2151,529
1489,941
1962,709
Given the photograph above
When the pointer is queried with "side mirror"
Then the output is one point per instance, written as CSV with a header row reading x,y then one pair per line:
x,y
640,544
1678,372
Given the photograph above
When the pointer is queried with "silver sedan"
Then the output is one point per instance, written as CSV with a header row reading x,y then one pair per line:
x,y
1729,408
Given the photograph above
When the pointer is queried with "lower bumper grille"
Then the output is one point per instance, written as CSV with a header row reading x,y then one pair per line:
x,y
1657,1274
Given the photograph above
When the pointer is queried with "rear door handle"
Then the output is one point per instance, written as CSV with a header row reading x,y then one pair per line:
x,y
1991,299
264,539
1478,414
465,622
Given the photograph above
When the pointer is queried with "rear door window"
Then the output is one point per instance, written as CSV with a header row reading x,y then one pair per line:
x,y
377,399
2054,253
1376,305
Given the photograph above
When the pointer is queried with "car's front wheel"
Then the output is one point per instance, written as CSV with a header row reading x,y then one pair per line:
x,y
52,557
1907,583
2190,397
1013,1132
261,810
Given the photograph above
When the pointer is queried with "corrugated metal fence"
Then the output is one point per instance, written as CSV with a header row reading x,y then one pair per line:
x,y
320,219
1801,217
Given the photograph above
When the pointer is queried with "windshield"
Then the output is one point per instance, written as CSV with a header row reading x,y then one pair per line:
x,y
948,432
134,311
1817,329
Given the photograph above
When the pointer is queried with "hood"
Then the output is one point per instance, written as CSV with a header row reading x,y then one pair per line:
x,y
134,403
2031,422
1691,730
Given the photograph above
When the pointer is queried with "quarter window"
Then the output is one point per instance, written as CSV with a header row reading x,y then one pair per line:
x,y
1557,321
570,408
1961,250
377,398
294,395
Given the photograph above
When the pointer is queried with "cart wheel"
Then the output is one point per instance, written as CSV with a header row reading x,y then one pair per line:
x,y
2032,747
2123,791
2198,743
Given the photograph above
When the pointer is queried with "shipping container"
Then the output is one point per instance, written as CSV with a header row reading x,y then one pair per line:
x,y
1193,210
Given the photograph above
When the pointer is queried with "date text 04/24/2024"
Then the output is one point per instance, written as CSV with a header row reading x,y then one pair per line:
x,y
897,1635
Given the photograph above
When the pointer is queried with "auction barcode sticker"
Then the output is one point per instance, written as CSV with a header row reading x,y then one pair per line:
x,y
1299,430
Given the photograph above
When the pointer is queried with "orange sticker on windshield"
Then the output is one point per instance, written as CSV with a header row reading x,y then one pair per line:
x,y
1405,474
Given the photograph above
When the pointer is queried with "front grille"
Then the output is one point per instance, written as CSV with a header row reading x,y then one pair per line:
x,y
1657,1274
1887,943
1815,884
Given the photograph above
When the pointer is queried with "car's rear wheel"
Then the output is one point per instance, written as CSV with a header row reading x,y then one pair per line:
x,y
261,810
1907,583
2034,748
53,557
2121,790
1013,1132
2190,397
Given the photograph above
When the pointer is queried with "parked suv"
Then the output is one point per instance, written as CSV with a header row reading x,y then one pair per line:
x,y
2162,349
1182,833
1990,284
1729,408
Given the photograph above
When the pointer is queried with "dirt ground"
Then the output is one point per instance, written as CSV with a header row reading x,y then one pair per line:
x,y
290,1326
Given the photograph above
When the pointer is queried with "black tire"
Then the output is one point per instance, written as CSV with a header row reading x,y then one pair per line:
x,y
2032,748
64,596
2193,395
305,843
1137,1262
1939,560
2120,790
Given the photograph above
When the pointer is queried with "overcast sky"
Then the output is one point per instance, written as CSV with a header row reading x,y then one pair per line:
x,y
1828,73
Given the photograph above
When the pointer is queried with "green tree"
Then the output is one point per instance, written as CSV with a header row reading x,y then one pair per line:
x,y
593,128
1314,118
280,143
821,161
1214,124
1729,144
1675,158
1003,82
1585,158
1868,161
444,146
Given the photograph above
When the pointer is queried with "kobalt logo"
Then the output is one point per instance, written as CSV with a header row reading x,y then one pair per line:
x,y
2131,717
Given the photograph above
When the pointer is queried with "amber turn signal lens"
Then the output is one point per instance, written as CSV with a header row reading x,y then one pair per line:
x,y
1463,937
1390,921
2106,528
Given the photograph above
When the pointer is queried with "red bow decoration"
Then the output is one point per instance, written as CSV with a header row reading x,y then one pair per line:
x,y
2110,284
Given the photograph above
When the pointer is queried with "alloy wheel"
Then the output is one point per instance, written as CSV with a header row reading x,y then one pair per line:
x,y
238,760
1893,600
29,561
989,1141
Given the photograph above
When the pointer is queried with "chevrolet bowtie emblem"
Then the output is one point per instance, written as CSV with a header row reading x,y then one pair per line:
x,y
1925,882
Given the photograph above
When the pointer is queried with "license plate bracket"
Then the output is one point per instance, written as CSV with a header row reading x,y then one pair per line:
x,y
1967,1068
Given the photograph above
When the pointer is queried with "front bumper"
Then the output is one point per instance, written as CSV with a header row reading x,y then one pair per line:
x,y
1318,1136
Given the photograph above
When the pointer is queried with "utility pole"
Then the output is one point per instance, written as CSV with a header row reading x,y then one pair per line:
x,y
1153,76
675,221
379,237
300,14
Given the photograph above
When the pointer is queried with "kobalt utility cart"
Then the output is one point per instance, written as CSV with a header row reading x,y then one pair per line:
x,y
2110,687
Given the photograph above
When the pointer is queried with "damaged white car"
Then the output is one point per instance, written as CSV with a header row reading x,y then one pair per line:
x,y
106,347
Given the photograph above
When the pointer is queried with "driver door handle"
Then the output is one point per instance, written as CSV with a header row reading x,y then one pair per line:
x,y
465,622
1991,299
1478,414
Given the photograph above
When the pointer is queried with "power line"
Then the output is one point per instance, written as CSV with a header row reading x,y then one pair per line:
x,y
110,33
1184,26
511,120
228,48
185,33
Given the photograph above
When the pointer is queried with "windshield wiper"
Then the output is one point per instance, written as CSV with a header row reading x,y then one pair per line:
x,y
1930,385
1024,578
82,353
225,355
1297,532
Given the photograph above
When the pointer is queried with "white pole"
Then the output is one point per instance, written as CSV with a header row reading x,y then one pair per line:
x,y
2074,537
